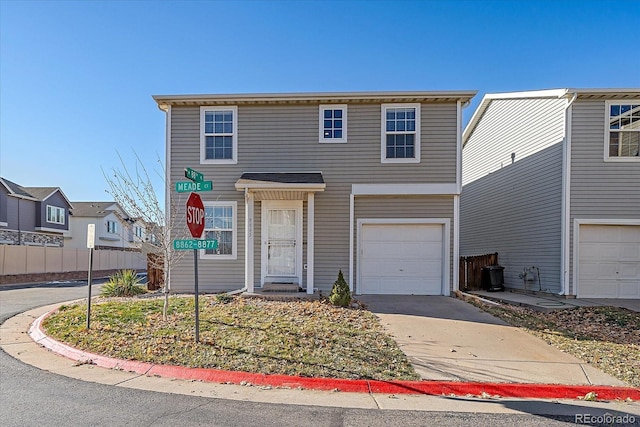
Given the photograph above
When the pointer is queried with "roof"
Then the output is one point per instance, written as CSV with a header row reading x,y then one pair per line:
x,y
281,185
33,193
164,101
567,93
92,209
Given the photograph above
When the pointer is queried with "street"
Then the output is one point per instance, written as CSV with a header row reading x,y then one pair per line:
x,y
31,397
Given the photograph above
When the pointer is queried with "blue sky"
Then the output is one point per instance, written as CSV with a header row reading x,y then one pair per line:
x,y
76,78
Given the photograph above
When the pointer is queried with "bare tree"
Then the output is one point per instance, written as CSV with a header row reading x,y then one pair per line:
x,y
133,190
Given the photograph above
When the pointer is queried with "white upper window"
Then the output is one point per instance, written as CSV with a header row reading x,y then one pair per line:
x,y
220,224
622,131
55,215
219,134
333,123
400,133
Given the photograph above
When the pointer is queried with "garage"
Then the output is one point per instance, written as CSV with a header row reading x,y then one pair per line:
x,y
609,261
402,259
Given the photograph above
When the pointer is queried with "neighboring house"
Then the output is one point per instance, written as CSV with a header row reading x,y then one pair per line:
x,y
114,228
551,181
32,215
307,184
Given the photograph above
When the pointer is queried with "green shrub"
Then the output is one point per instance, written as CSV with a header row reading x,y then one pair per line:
x,y
224,298
125,283
340,294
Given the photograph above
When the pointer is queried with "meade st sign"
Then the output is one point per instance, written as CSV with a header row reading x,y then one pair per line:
x,y
189,186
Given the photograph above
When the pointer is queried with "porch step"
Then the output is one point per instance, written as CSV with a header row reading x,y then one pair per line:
x,y
280,287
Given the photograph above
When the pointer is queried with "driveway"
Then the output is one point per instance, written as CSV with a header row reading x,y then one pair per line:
x,y
447,339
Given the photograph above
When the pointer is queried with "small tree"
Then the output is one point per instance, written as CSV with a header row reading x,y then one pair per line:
x,y
340,293
135,193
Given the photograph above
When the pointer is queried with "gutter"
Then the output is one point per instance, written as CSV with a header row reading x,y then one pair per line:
x,y
566,197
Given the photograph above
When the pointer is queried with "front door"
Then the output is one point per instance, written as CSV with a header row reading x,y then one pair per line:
x,y
281,242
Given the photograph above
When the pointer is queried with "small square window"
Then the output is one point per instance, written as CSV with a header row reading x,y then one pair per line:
x,y
333,123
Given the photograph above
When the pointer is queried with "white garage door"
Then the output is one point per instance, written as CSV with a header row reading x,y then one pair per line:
x,y
401,259
609,260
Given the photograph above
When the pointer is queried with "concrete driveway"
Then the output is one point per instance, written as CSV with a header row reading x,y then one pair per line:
x,y
447,339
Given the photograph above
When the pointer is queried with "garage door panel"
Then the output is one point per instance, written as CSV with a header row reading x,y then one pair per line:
x,y
609,261
401,259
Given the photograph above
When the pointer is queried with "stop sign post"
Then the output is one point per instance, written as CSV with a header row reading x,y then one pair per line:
x,y
195,222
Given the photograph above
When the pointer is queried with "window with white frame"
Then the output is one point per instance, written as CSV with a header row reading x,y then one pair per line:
x,y
333,123
112,227
400,133
623,130
220,224
138,231
55,215
219,134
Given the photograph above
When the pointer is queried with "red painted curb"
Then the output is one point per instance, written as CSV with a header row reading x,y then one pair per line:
x,y
436,388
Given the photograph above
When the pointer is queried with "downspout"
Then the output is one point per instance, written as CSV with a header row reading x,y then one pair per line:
x,y
566,197
351,236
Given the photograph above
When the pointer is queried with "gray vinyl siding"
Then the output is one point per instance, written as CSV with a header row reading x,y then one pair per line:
x,y
405,207
516,209
3,206
599,189
519,126
21,214
284,138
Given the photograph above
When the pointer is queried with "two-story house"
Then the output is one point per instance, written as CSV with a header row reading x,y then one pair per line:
x,y
307,184
32,215
115,229
551,182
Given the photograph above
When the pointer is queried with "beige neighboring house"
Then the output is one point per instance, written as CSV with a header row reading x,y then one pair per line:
x,y
551,181
307,184
114,228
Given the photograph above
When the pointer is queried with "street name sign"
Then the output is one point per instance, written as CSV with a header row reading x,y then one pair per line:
x,y
189,186
193,175
190,244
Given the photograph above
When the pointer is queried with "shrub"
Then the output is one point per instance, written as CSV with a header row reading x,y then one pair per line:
x,y
340,294
224,298
125,283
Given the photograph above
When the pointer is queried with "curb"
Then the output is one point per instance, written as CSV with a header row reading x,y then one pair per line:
x,y
436,388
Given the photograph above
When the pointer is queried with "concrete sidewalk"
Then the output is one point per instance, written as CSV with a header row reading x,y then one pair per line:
x,y
447,339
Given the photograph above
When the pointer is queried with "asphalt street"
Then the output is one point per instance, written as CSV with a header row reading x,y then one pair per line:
x,y
33,397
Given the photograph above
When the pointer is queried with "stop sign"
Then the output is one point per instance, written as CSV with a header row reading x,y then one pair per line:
x,y
195,215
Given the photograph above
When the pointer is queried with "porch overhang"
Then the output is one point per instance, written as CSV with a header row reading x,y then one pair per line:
x,y
281,185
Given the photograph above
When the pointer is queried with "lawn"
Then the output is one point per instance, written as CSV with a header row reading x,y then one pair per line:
x,y
301,337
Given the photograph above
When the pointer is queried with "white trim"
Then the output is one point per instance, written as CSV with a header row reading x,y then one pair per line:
x,y
280,204
234,136
260,185
351,237
249,233
383,132
445,287
459,147
51,230
310,242
4,224
321,137
166,243
404,189
234,241
607,131
577,222
456,243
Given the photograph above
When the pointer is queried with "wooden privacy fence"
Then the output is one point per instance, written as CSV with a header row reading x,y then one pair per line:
x,y
471,270
20,260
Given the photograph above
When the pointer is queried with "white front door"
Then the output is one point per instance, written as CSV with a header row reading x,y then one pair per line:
x,y
281,241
